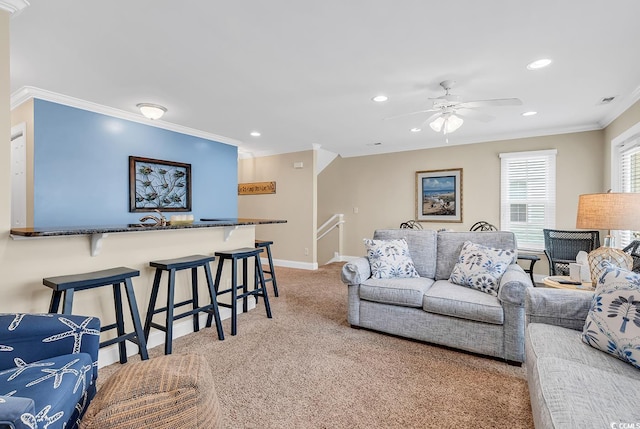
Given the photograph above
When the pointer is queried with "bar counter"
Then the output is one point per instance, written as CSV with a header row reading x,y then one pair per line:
x,y
134,227
98,233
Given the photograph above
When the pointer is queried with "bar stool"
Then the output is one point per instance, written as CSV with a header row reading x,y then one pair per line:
x,y
67,285
260,288
171,266
272,273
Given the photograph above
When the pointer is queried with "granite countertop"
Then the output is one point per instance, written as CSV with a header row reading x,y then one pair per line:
x,y
136,227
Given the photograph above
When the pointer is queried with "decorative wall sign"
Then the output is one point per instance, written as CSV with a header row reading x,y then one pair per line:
x,y
157,184
439,195
256,188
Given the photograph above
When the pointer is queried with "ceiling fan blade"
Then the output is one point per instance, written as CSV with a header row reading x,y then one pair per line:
x,y
474,114
493,102
409,114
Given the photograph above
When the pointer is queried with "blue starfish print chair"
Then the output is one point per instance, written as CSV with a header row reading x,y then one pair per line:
x,y
48,369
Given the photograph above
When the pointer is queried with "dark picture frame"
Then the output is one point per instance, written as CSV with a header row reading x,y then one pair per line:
x,y
439,195
158,184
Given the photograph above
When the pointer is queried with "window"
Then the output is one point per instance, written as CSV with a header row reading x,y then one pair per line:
x,y
528,195
626,160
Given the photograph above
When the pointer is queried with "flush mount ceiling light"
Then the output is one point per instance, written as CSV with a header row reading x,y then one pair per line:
x,y
538,64
416,130
380,98
255,134
446,123
531,113
151,111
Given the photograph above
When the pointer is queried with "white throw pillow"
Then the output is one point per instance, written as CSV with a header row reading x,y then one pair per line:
x,y
390,259
613,322
481,267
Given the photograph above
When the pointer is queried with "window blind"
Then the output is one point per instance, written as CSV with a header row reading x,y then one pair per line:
x,y
528,195
628,178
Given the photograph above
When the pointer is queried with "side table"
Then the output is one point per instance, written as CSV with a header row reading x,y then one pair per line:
x,y
555,282
532,261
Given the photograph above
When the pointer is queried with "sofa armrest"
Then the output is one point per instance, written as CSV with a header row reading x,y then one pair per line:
x,y
11,408
33,337
566,308
513,285
356,271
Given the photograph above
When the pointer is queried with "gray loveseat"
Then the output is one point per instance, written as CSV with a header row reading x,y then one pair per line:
x,y
432,309
571,384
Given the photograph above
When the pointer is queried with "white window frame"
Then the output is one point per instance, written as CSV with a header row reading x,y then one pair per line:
x,y
548,198
621,238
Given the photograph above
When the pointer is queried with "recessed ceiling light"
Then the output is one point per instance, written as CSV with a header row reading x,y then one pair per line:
x,y
255,134
416,130
531,113
538,64
380,98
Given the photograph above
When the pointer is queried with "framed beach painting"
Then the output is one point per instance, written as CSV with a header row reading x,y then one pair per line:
x,y
439,195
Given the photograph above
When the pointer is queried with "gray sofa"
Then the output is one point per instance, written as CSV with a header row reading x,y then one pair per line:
x,y
432,309
571,384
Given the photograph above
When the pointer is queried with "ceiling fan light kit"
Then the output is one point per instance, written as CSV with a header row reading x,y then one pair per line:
x,y
451,109
447,124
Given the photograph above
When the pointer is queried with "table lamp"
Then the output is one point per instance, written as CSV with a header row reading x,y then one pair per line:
x,y
610,211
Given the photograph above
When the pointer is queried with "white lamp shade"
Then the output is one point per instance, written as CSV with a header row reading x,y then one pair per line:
x,y
436,125
152,111
452,123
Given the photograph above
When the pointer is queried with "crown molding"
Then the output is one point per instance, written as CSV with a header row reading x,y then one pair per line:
x,y
621,108
13,6
29,92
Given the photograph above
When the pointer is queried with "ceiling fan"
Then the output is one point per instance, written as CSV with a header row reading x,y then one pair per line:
x,y
451,110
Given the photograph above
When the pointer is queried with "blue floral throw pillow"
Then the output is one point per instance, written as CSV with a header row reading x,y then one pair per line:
x,y
481,267
613,322
389,259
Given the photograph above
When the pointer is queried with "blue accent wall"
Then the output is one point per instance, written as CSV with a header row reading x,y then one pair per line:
x,y
81,167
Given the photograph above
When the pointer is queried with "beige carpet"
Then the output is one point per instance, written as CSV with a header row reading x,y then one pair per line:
x,y
306,368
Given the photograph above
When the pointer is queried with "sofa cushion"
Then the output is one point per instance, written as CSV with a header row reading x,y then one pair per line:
x,y
576,395
449,299
613,322
450,244
422,247
405,292
481,267
556,341
390,259
55,384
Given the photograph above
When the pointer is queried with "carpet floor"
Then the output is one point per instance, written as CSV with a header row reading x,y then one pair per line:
x,y
307,368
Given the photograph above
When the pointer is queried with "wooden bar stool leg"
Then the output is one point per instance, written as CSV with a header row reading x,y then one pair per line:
x,y
67,302
117,298
152,303
169,321
215,311
263,286
272,271
135,317
54,304
234,297
194,298
245,288
216,285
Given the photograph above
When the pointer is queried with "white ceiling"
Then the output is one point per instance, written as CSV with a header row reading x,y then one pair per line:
x,y
303,72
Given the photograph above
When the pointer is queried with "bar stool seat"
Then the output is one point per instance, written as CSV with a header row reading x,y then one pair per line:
x,y
260,289
69,284
266,244
171,266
